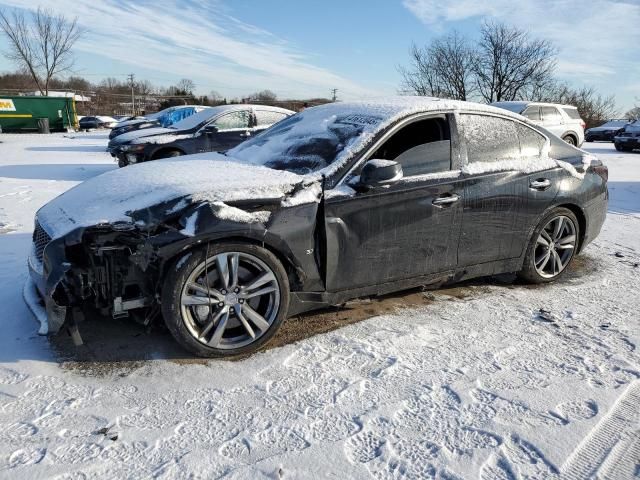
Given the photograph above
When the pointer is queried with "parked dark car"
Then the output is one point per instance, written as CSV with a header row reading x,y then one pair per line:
x,y
605,132
629,139
215,129
339,201
91,123
163,118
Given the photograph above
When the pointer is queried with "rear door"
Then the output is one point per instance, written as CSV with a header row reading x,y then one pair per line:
x,y
499,203
405,230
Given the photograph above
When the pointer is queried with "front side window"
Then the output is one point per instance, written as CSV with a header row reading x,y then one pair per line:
x,y
422,147
266,118
233,120
489,139
551,115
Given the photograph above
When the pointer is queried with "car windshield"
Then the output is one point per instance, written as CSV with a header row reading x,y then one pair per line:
x,y
615,124
309,141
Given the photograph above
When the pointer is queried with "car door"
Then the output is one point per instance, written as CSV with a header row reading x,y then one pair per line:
x,y
405,230
231,129
495,190
552,120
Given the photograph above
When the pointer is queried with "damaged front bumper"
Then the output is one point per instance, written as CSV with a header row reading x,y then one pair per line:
x,y
38,293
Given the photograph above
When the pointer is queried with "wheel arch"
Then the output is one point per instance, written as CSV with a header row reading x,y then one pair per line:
x,y
295,274
582,220
165,149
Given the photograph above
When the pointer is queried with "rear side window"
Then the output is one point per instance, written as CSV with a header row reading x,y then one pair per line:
x,y
489,139
233,120
572,113
531,142
532,113
422,147
265,118
551,115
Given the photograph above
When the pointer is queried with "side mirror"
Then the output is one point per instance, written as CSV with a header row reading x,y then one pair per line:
x,y
377,173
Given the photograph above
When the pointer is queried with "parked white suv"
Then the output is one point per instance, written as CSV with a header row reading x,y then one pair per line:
x,y
563,120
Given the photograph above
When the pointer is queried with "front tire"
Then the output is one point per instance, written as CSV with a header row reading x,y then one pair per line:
x,y
552,247
228,301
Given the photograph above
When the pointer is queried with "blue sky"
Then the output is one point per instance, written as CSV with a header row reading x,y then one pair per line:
x,y
303,49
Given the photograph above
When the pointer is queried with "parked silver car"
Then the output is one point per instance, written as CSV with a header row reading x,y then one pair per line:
x,y
562,120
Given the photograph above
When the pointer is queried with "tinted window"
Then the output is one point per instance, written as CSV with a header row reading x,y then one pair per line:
x,y
551,115
421,147
572,112
266,118
531,142
532,113
489,139
233,120
308,141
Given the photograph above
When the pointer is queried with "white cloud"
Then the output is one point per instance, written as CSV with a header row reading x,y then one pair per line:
x,y
198,41
597,39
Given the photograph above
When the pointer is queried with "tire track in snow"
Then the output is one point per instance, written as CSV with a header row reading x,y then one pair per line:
x,y
612,447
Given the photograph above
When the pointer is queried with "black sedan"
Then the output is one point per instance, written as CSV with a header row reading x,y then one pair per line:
x,y
339,201
91,123
210,130
605,132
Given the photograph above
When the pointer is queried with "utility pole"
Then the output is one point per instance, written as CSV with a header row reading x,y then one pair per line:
x,y
334,92
131,77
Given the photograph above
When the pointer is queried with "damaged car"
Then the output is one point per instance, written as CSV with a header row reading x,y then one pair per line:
x,y
339,201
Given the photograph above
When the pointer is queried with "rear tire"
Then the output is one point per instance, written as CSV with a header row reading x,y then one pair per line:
x,y
552,247
242,307
570,140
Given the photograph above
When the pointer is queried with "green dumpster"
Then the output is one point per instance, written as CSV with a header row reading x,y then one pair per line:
x,y
18,113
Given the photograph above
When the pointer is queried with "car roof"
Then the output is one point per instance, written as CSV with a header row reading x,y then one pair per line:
x,y
524,103
389,108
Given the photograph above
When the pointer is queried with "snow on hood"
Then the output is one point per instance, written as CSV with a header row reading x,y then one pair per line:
x,y
145,132
110,196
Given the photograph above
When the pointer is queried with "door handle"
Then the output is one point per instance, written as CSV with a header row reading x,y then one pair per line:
x,y
245,134
540,184
445,200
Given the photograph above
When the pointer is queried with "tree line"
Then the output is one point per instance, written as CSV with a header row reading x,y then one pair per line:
x,y
506,63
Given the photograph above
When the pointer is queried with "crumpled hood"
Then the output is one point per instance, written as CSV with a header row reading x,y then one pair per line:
x,y
144,132
109,197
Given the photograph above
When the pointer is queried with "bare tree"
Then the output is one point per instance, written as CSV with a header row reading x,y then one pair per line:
x,y
264,96
42,45
510,64
186,85
442,69
634,113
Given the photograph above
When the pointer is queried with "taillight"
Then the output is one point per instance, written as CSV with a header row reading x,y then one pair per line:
x,y
584,125
602,171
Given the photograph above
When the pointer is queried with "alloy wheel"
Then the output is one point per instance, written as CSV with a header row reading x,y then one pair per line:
x,y
230,300
555,246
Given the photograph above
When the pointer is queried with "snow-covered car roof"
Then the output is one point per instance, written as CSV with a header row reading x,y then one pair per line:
x,y
345,127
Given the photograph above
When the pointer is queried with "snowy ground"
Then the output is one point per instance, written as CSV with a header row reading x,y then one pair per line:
x,y
465,382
